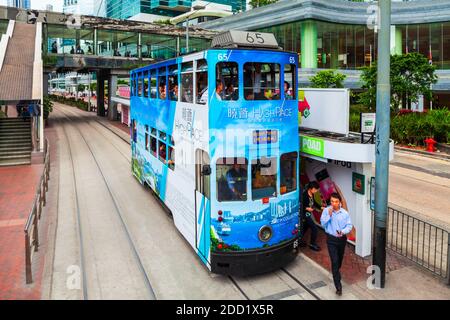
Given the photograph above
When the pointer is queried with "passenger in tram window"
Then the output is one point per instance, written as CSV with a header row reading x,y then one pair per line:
x,y
174,93
231,93
219,89
72,50
162,91
79,50
237,182
90,50
287,91
162,152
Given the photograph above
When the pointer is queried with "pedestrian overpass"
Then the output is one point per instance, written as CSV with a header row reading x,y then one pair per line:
x,y
36,43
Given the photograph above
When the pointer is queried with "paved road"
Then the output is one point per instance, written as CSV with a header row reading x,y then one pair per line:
x,y
421,184
127,238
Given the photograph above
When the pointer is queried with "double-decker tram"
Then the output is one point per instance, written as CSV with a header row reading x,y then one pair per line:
x,y
215,135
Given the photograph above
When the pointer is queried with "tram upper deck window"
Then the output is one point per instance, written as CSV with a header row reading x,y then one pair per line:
x,y
187,82
146,87
153,86
201,88
288,172
264,178
162,84
232,176
173,83
262,81
227,83
290,82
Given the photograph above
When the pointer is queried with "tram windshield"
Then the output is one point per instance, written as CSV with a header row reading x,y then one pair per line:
x,y
231,179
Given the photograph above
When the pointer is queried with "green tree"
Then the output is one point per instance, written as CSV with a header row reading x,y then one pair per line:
x,y
81,87
261,3
411,76
48,107
328,79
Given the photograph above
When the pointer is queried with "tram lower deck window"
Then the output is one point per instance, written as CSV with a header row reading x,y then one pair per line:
x,y
288,172
232,176
264,178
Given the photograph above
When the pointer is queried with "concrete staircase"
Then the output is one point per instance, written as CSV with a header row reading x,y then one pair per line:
x,y
15,141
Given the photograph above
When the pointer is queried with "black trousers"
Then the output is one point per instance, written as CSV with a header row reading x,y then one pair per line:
x,y
336,249
308,223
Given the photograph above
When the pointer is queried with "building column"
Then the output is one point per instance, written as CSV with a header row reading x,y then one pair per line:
x,y
396,41
112,89
101,93
308,31
45,84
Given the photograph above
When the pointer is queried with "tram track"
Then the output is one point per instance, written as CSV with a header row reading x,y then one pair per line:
x,y
236,282
117,210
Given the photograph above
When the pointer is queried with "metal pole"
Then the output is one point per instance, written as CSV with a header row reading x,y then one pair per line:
x,y
382,137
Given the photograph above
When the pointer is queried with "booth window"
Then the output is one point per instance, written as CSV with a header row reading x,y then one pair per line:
x,y
187,82
153,86
264,178
173,83
201,87
162,84
227,81
290,82
288,172
262,81
232,176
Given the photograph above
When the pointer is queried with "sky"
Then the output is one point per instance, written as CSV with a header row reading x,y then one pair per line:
x,y
41,4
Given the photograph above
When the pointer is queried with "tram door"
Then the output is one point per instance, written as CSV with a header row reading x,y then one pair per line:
x,y
202,203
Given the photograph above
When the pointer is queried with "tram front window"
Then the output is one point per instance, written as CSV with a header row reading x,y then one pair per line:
x,y
288,172
228,80
264,178
262,81
232,179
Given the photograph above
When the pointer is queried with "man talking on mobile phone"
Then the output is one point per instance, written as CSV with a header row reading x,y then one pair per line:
x,y
337,224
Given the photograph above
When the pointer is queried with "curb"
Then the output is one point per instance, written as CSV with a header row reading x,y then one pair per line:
x,y
437,155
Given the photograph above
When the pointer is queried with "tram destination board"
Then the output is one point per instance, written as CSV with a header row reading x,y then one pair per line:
x,y
265,136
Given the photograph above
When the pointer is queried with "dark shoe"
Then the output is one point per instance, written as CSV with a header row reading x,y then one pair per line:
x,y
339,292
314,247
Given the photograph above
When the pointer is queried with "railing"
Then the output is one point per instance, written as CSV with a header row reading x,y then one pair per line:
x,y
32,225
420,241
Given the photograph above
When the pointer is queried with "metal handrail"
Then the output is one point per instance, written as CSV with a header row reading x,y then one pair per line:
x,y
421,242
32,225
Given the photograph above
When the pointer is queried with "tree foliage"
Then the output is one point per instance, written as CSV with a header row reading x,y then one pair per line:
x,y
328,79
411,76
261,3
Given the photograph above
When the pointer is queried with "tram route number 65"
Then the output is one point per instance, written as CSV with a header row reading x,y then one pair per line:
x,y
256,37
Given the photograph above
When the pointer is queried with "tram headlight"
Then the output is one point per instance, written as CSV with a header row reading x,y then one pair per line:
x,y
265,233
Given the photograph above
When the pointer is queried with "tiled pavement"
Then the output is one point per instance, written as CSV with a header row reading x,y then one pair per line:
x,y
18,185
354,267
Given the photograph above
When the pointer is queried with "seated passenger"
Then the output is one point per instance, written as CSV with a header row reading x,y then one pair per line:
x,y
230,93
288,91
162,91
174,93
237,182
219,89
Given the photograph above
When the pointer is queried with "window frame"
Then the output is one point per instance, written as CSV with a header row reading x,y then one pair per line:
x,y
294,83
159,75
275,160
274,87
236,81
197,96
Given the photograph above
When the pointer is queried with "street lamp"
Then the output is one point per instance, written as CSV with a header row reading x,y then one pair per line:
x,y
194,10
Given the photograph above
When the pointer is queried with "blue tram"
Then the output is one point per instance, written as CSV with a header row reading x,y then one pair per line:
x,y
215,135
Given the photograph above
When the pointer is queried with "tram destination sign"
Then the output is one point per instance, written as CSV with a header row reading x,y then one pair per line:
x,y
265,136
237,38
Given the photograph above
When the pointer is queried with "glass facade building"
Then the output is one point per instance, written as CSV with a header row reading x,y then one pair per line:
x,y
344,46
124,9
25,4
